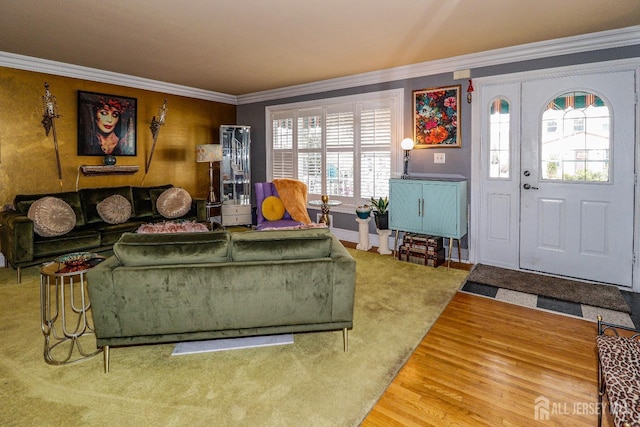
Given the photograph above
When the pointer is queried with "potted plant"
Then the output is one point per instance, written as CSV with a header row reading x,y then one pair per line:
x,y
381,215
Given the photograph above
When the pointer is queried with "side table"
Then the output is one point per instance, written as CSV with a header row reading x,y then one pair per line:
x,y
325,205
64,308
214,219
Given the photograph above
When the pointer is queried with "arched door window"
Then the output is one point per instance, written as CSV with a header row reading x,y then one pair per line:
x,y
575,139
499,139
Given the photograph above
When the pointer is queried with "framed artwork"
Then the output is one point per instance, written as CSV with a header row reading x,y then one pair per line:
x,y
435,117
106,124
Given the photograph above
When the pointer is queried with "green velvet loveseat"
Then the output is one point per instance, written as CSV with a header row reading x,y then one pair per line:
x,y
22,247
160,288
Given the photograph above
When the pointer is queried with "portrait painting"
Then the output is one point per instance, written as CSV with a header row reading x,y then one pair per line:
x,y
106,124
436,113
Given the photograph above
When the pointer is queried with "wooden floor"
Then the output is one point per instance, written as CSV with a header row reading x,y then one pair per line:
x,y
486,362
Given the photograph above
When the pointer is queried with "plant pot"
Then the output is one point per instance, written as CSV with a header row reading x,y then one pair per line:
x,y
363,212
382,221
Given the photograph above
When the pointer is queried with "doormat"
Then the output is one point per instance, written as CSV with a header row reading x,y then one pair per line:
x,y
194,347
593,294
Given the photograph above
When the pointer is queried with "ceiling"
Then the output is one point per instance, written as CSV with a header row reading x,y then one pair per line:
x,y
239,47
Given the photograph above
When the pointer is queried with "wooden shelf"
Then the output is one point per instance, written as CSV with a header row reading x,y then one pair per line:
x,y
88,170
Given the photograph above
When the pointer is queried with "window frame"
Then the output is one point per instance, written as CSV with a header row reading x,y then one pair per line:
x,y
395,96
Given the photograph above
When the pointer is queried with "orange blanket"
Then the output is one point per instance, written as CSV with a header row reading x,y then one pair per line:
x,y
293,194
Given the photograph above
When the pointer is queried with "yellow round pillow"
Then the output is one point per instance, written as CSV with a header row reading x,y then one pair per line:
x,y
272,208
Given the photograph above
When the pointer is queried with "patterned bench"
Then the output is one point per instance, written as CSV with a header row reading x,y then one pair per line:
x,y
619,373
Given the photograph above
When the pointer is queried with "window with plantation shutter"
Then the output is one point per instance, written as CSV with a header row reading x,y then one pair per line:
x,y
347,147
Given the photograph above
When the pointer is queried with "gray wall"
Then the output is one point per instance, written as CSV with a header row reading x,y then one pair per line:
x,y
458,160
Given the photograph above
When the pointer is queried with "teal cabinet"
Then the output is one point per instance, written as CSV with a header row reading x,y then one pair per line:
x,y
434,207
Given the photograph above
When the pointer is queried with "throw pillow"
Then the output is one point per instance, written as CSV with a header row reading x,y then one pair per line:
x,y
272,208
51,217
174,202
114,209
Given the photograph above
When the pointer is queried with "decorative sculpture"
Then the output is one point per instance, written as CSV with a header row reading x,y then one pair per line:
x,y
50,112
156,123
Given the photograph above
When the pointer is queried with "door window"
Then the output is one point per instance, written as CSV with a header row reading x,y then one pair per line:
x,y
575,139
499,139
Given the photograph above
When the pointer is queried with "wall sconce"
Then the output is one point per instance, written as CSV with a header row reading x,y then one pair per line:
x,y
209,153
469,92
156,123
407,146
50,112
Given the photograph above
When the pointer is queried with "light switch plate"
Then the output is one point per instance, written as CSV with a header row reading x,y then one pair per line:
x,y
438,157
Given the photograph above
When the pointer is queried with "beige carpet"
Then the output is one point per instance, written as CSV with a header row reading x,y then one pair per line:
x,y
312,382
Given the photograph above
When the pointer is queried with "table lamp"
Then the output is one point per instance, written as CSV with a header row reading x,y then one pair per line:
x,y
407,145
209,153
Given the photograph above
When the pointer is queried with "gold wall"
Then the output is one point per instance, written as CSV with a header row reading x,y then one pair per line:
x,y
27,155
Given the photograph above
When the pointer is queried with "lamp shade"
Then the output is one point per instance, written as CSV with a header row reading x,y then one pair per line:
x,y
407,144
209,153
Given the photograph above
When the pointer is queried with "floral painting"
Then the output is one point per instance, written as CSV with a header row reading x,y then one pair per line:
x,y
436,113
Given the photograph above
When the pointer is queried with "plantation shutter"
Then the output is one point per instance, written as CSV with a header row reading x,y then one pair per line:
x,y
309,139
282,151
340,149
375,148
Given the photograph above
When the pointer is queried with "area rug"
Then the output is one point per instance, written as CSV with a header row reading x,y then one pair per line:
x,y
592,294
312,382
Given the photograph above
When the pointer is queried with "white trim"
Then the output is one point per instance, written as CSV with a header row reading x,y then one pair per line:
x,y
630,64
21,62
397,97
583,43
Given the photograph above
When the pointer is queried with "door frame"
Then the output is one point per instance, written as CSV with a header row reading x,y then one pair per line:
x,y
476,182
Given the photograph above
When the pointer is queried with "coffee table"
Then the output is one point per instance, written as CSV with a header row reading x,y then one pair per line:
x,y
64,308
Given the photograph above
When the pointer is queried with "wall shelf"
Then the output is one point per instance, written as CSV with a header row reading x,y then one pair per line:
x,y
101,170
89,170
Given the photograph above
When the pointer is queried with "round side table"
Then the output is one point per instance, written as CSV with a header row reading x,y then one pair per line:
x,y
64,308
325,205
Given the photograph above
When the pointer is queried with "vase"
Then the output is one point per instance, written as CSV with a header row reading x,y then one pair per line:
x,y
363,212
109,160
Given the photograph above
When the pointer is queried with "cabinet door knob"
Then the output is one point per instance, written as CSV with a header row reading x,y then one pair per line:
x,y
419,212
422,207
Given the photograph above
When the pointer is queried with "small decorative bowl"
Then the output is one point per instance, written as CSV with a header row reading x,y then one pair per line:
x,y
363,212
76,258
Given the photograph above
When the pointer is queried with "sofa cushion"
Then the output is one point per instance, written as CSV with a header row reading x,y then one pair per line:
x,y
276,245
272,208
92,196
173,248
114,209
143,203
51,217
174,203
23,202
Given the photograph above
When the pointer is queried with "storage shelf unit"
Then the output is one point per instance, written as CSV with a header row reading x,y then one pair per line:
x,y
235,180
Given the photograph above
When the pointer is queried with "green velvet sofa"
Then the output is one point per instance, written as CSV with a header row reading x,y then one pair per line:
x,y
22,247
160,288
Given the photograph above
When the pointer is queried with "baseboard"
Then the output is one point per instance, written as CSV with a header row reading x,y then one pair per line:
x,y
354,237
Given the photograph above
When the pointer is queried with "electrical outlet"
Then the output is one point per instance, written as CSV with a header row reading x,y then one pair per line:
x,y
438,157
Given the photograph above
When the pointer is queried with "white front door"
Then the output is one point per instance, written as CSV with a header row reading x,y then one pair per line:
x,y
576,176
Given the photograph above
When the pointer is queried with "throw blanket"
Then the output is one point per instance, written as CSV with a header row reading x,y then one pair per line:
x,y
293,194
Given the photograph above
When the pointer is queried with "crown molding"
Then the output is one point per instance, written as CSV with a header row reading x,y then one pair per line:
x,y
29,63
583,43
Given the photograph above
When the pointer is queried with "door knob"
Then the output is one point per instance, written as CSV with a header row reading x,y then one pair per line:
x,y
529,187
